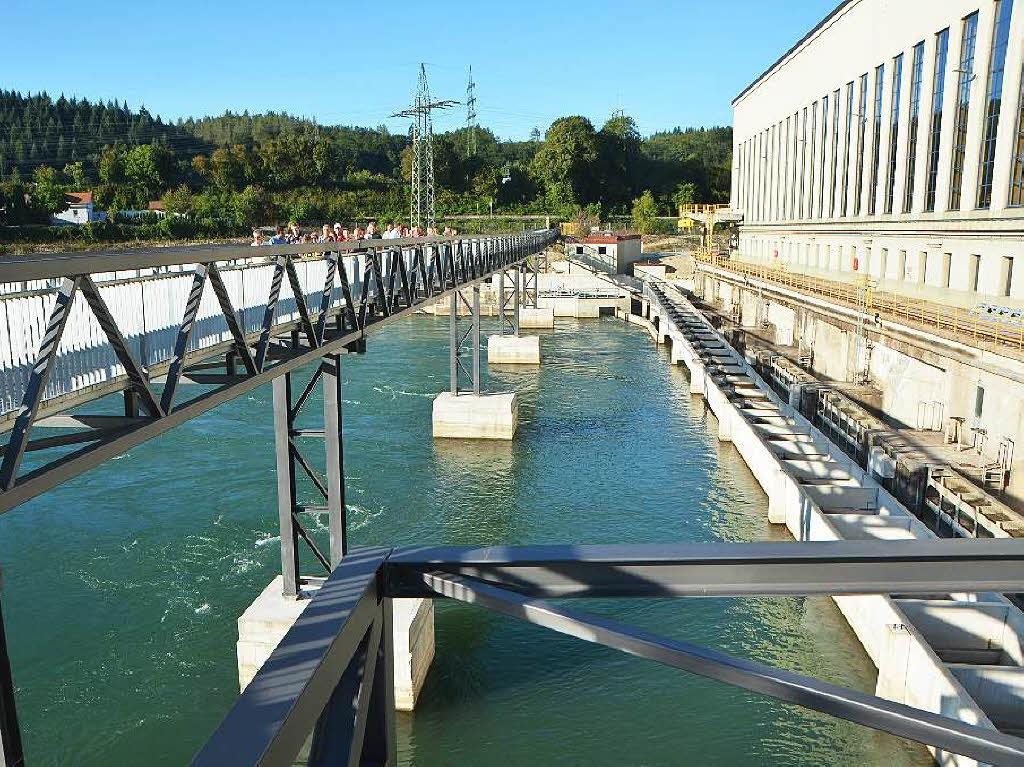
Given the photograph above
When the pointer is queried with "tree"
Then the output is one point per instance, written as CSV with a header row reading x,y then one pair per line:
x,y
74,172
685,194
147,169
178,201
645,213
568,158
48,194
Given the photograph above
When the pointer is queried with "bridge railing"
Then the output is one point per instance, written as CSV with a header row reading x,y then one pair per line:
x,y
324,695
954,322
146,320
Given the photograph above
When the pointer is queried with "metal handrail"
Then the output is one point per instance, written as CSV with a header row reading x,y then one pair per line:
x,y
953,321
329,674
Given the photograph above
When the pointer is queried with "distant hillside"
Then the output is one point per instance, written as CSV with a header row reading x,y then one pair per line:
x,y
247,169
37,130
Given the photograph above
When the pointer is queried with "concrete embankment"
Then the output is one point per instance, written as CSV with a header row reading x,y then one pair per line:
x,y
960,655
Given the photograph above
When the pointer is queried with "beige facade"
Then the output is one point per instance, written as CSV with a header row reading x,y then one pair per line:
x,y
889,144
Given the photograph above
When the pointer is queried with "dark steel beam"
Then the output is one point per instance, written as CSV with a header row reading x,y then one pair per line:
x,y
946,733
231,317
43,266
283,449
37,381
137,375
273,717
939,566
12,753
334,452
188,322
266,331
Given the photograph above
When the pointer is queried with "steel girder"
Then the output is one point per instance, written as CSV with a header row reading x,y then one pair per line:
x,y
342,320
315,662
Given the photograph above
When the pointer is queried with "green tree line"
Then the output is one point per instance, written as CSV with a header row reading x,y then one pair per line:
x,y
237,170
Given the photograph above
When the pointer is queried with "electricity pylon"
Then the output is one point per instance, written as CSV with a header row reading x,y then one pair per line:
x,y
421,206
471,123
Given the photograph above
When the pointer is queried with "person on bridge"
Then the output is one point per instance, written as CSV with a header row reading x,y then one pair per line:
x,y
326,235
279,237
257,238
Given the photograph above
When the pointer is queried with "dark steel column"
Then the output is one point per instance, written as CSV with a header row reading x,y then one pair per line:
x,y
11,752
334,450
476,339
501,302
286,484
453,342
515,301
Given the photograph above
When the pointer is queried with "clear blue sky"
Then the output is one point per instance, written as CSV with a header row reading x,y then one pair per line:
x,y
345,62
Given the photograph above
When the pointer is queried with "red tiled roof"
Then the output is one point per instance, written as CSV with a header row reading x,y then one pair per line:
x,y
155,205
78,198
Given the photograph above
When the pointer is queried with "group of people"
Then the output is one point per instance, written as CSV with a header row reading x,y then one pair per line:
x,y
293,234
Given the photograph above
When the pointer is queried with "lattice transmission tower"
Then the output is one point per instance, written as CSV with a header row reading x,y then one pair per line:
x,y
471,123
421,205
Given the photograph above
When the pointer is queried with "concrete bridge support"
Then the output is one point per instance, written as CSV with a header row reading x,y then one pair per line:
x,y
467,412
508,347
266,621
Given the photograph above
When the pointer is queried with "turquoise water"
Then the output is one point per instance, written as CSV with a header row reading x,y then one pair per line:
x,y
122,587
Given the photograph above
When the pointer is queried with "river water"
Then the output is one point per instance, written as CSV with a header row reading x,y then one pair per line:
x,y
122,587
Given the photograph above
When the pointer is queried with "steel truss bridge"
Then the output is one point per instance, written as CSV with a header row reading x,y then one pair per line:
x,y
231,319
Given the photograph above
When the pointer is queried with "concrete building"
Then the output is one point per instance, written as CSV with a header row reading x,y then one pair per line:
x,y
610,253
888,143
80,210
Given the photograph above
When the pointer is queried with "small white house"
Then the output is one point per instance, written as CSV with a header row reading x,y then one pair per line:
x,y
80,210
608,252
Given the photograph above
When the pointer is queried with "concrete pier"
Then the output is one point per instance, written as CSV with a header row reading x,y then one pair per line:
x,y
536,318
475,416
265,622
513,350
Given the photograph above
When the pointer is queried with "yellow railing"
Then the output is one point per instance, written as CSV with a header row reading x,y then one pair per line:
x,y
699,208
951,321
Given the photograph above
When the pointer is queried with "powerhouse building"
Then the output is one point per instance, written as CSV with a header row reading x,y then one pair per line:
x,y
888,144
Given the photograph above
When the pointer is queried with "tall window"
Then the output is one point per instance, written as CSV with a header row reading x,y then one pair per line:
x,y
814,158
876,138
835,153
803,163
858,184
787,159
997,63
1017,159
846,148
915,112
894,128
938,88
963,99
794,200
824,144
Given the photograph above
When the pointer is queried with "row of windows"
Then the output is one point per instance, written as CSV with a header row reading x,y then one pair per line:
x,y
795,170
921,268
